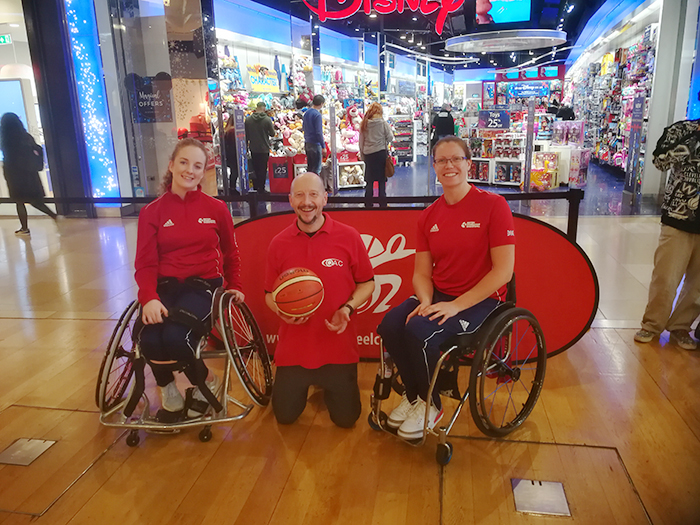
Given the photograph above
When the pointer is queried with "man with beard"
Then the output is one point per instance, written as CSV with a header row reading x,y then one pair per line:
x,y
320,349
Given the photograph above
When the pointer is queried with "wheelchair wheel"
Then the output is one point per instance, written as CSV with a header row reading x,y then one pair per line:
x,y
246,348
116,369
507,373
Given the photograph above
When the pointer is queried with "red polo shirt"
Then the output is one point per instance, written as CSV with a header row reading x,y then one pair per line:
x,y
338,256
460,236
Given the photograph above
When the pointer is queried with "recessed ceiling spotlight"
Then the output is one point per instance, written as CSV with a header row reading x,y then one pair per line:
x,y
357,29
571,8
532,53
373,15
415,18
14,25
422,47
403,37
483,52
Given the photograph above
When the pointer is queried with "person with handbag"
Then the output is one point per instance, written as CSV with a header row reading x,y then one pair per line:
x,y
375,137
23,159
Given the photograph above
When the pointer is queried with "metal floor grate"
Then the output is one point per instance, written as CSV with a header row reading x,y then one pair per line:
x,y
24,451
540,497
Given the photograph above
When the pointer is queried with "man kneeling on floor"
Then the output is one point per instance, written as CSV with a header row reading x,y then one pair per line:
x,y
320,349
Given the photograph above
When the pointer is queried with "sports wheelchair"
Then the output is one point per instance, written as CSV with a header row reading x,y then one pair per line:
x,y
508,358
121,380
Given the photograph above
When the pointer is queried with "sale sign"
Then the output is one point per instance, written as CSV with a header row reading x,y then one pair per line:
x,y
489,119
337,10
545,262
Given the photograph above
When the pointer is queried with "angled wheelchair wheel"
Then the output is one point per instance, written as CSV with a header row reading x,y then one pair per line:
x,y
507,372
116,369
246,348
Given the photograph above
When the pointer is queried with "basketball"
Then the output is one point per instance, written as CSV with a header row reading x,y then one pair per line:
x,y
297,292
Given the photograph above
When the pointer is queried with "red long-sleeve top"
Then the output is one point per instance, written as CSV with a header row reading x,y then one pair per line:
x,y
190,237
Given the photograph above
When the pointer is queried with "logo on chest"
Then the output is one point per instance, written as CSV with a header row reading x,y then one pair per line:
x,y
206,220
471,224
331,262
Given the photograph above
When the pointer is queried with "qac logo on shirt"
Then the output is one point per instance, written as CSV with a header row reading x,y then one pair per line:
x,y
331,262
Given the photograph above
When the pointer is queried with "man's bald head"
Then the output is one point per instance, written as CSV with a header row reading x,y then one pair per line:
x,y
308,197
308,180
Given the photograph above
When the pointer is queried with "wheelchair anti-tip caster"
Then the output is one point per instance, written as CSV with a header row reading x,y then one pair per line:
x,y
133,438
382,417
443,454
205,434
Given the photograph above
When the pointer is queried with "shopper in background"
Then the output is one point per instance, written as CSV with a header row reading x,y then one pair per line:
x,y
258,130
443,124
678,253
320,349
23,160
375,138
313,135
231,155
459,278
180,259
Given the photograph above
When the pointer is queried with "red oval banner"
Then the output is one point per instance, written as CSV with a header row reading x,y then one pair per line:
x,y
555,279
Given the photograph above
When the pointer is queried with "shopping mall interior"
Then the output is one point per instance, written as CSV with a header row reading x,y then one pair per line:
x,y
562,103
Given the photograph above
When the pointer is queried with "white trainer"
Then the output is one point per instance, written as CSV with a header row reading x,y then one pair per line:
x,y
412,427
400,413
170,398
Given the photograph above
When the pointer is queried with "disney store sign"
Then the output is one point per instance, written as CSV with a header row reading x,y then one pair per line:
x,y
338,10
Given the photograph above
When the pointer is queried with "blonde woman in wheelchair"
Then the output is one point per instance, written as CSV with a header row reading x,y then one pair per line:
x,y
186,249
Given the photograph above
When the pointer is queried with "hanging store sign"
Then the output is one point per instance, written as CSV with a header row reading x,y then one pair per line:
x,y
332,10
263,80
494,119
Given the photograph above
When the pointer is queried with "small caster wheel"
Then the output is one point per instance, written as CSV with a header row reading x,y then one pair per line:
x,y
205,435
443,454
133,438
380,423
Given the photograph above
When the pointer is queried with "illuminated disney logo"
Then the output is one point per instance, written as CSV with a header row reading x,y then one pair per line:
x,y
385,7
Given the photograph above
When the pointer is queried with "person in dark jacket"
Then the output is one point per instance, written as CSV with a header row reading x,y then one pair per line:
x,y
20,167
231,155
443,124
258,130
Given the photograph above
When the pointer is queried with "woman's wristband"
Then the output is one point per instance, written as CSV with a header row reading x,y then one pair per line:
x,y
352,310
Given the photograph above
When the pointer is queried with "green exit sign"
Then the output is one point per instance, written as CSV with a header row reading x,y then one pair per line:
x,y
5,39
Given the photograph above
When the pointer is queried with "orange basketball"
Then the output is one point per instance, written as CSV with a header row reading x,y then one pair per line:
x,y
297,292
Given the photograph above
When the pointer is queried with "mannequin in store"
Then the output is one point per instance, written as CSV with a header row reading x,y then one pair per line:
x,y
180,260
677,256
314,143
231,155
258,130
375,138
23,160
459,278
320,349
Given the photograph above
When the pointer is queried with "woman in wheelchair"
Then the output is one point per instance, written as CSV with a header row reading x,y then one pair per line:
x,y
186,249
464,258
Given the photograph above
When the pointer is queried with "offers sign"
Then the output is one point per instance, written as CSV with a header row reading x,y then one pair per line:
x,y
547,266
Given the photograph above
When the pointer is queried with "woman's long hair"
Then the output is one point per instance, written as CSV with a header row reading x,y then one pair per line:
x,y
167,179
374,109
11,131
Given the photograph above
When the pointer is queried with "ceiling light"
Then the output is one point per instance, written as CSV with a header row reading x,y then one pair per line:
x,y
571,8
483,52
422,47
357,29
14,25
373,15
403,37
532,53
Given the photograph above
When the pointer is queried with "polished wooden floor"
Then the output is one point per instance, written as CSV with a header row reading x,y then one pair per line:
x,y
618,423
